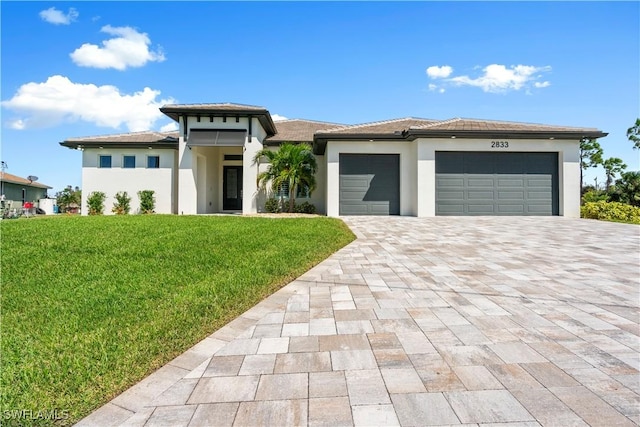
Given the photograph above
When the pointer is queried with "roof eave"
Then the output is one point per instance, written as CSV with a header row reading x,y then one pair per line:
x,y
320,139
572,135
263,115
75,145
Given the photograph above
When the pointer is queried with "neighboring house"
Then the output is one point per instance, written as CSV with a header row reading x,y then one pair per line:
x,y
406,166
20,190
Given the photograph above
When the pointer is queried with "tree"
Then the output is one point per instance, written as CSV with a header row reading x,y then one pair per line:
x,y
612,166
292,166
633,134
67,197
590,155
627,188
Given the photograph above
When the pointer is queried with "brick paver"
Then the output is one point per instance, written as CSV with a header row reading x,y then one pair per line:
x,y
424,321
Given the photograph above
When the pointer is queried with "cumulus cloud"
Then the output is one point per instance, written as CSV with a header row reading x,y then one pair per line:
x,y
169,127
128,48
494,78
57,17
436,72
278,117
59,100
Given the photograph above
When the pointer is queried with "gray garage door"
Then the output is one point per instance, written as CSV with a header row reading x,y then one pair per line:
x,y
369,184
479,183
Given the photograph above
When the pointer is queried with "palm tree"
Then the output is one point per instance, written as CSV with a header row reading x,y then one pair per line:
x,y
292,166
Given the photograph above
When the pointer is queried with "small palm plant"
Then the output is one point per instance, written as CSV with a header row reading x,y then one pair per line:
x,y
292,166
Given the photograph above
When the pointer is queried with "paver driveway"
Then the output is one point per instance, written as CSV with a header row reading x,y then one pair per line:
x,y
425,321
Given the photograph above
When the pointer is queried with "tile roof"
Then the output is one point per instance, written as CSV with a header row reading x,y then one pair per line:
x,y
14,179
131,137
299,130
460,124
381,127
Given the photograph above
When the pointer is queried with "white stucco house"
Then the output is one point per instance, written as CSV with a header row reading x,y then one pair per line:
x,y
408,166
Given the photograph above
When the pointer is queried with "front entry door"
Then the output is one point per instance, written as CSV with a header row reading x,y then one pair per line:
x,y
232,188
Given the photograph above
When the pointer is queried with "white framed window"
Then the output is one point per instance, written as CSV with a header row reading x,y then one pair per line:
x,y
153,162
129,162
105,161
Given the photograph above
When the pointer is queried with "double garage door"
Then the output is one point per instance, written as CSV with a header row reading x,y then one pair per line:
x,y
481,183
467,183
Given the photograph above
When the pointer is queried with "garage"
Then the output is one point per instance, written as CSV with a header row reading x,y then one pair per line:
x,y
369,184
488,183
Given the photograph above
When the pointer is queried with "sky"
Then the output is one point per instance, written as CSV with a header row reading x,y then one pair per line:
x,y
71,69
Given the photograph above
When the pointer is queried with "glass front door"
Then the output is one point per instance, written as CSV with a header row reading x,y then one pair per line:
x,y
232,188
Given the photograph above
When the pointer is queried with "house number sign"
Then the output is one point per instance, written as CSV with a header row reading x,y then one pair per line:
x,y
499,144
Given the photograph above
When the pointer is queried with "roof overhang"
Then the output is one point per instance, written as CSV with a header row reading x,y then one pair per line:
x,y
412,134
167,143
321,139
262,114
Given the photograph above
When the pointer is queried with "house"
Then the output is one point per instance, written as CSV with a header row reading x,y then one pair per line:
x,y
18,191
407,166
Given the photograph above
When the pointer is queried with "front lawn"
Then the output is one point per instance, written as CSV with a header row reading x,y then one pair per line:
x,y
91,305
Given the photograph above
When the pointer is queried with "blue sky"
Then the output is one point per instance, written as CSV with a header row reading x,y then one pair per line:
x,y
90,68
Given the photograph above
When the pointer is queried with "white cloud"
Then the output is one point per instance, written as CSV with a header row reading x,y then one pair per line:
x,y
128,48
496,78
278,117
169,127
57,17
436,72
60,100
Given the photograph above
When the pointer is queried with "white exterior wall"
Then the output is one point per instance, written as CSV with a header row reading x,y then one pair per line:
x,y
568,165
201,191
116,178
408,170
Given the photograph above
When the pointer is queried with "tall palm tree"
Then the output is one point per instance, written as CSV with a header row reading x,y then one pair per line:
x,y
292,166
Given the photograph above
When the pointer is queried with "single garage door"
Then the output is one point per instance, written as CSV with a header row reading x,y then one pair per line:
x,y
369,184
480,183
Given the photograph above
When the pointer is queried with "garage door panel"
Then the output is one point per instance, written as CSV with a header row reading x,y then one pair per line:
x,y
369,184
511,195
480,209
479,195
497,183
450,195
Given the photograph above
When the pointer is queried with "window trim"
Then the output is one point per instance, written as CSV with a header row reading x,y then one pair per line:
x,y
153,157
124,161
105,156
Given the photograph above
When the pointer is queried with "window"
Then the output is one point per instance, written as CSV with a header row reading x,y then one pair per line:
x,y
105,161
233,156
153,162
283,190
129,162
302,192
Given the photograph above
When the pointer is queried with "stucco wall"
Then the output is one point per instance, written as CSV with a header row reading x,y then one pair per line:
x,y
408,170
417,168
115,179
568,165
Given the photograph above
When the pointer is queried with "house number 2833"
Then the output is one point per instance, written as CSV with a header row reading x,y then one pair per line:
x,y
499,144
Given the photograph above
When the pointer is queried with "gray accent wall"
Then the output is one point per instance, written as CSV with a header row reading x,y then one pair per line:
x,y
490,183
369,184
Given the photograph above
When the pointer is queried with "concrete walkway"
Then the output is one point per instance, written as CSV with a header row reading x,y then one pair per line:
x,y
421,322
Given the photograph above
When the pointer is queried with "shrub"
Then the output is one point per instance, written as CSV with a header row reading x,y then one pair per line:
x,y
594,196
147,201
272,205
122,205
611,211
95,203
305,207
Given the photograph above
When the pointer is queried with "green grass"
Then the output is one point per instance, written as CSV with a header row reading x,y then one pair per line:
x,y
91,305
